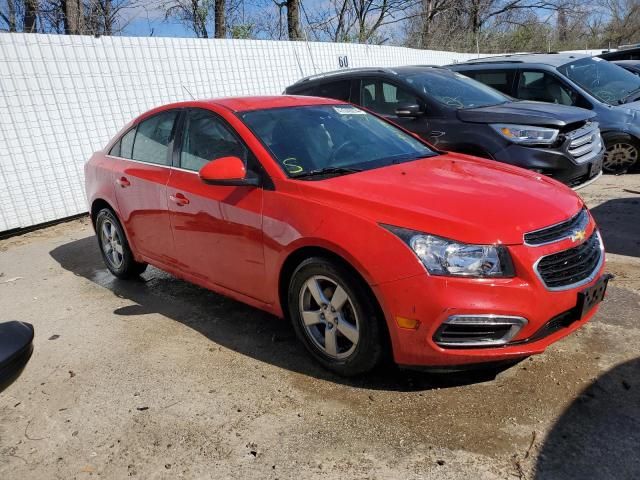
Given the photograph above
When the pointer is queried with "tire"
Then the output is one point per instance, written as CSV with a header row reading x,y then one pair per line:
x,y
356,325
622,153
115,250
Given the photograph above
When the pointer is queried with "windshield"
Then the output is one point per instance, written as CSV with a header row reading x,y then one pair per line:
x,y
456,90
607,82
336,139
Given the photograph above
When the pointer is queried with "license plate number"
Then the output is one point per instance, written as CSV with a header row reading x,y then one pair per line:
x,y
590,297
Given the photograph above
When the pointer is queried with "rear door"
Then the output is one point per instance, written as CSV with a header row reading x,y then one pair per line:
x,y
142,172
217,230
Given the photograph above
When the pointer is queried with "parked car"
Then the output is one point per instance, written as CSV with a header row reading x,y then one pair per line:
x,y
572,79
16,347
358,231
457,114
627,52
631,65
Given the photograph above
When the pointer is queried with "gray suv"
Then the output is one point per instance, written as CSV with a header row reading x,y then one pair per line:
x,y
608,90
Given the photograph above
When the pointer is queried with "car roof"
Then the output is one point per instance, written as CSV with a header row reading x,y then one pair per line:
x,y
245,104
358,72
551,59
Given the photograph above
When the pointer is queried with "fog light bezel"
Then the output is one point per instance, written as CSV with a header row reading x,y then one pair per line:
x,y
516,324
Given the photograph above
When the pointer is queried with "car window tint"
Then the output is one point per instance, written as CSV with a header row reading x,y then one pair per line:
x,y
501,81
338,90
115,150
206,138
126,144
543,87
384,98
151,144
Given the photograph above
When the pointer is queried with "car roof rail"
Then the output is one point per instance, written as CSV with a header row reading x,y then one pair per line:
x,y
345,71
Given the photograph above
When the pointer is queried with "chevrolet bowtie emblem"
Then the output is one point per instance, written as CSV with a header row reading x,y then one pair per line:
x,y
578,235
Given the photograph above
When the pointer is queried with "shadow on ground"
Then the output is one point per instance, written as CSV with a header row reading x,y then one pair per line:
x,y
598,436
619,223
234,325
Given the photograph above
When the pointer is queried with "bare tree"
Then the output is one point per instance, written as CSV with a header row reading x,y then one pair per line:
x,y
72,16
219,18
30,16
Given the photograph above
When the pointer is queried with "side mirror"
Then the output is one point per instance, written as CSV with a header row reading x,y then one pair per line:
x,y
228,171
408,110
16,346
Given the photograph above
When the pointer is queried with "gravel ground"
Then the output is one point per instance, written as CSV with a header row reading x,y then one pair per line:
x,y
161,379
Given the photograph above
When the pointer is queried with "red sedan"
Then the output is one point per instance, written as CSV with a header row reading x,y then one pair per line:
x,y
362,234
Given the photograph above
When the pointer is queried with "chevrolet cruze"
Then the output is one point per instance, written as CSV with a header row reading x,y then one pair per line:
x,y
362,234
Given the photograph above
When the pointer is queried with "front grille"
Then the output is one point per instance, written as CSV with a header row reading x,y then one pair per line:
x,y
559,231
585,143
572,267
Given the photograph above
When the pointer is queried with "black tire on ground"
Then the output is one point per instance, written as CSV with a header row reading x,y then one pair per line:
x,y
368,351
124,266
622,153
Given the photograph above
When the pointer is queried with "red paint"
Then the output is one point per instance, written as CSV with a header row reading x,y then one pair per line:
x,y
235,239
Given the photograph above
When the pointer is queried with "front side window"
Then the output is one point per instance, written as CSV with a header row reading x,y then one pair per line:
x,y
607,82
456,90
384,97
320,137
151,144
206,138
500,80
544,87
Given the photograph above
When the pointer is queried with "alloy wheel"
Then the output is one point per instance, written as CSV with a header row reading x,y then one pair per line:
x,y
111,244
619,157
329,317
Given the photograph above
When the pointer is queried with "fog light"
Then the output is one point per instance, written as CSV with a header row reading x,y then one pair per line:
x,y
478,330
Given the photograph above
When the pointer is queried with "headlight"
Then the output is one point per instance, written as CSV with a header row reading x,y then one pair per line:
x,y
526,134
446,257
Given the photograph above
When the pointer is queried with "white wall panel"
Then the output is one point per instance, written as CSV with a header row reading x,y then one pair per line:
x,y
63,97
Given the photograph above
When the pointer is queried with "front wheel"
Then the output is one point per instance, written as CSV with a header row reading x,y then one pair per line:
x,y
621,154
116,253
335,317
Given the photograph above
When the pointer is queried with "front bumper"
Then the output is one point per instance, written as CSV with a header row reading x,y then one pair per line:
x,y
432,299
556,164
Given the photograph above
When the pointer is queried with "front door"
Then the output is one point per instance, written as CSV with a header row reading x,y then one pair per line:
x,y
217,230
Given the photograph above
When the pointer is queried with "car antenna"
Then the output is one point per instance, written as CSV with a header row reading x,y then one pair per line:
x,y
185,89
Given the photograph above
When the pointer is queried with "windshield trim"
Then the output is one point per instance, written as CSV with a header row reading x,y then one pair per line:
x,y
434,151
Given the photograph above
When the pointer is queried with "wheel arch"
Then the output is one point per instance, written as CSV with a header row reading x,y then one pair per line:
x,y
297,256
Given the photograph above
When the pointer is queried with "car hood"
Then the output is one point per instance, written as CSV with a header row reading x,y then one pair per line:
x,y
451,195
528,113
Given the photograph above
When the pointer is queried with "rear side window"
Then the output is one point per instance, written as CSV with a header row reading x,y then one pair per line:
x,y
338,90
502,81
125,145
206,138
543,87
152,139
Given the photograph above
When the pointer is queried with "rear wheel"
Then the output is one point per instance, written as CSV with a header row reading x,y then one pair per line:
x,y
335,318
621,154
116,253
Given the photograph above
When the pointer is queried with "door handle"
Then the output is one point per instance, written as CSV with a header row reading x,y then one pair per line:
x,y
179,199
123,182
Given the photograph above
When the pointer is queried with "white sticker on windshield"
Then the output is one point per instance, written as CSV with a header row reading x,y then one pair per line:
x,y
596,59
348,111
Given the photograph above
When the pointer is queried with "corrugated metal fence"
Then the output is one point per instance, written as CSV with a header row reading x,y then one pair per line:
x,y
63,97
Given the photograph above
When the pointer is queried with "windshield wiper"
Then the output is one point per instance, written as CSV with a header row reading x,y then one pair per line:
x,y
632,93
327,171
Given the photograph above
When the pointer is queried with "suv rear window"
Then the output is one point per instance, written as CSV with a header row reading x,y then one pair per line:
x,y
338,90
502,81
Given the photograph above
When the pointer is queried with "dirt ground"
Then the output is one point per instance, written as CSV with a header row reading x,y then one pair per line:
x,y
158,379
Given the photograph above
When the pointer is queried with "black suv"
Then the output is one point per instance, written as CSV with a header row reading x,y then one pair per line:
x,y
608,90
455,113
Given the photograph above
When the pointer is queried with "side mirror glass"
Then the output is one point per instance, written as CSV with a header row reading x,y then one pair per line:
x,y
227,171
16,346
408,110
